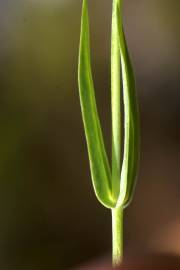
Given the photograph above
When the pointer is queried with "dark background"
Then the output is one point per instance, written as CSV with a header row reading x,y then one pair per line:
x,y
49,216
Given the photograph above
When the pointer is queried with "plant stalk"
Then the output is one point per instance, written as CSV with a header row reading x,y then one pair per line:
x,y
117,213
117,236
115,101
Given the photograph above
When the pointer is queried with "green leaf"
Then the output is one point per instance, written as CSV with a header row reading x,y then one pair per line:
x,y
100,170
131,122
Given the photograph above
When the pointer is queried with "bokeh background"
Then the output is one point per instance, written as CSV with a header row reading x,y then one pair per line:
x,y
49,216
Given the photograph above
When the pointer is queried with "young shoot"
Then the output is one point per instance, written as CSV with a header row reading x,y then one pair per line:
x,y
113,185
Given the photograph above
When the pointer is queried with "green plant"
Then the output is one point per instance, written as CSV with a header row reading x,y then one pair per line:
x,y
113,185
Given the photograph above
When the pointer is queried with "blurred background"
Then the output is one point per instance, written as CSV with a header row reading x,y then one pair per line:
x,y
49,216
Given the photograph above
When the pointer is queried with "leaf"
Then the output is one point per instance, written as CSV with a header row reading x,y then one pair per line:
x,y
131,122
100,170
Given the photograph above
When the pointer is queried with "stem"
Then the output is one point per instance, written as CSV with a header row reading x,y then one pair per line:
x,y
117,235
117,213
115,100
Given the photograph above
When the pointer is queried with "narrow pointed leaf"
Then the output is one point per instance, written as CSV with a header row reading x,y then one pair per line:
x,y
100,170
131,123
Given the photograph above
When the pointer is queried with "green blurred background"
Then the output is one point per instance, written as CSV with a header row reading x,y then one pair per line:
x,y
49,216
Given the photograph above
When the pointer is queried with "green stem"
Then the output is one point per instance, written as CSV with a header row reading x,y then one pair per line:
x,y
117,213
117,235
115,101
